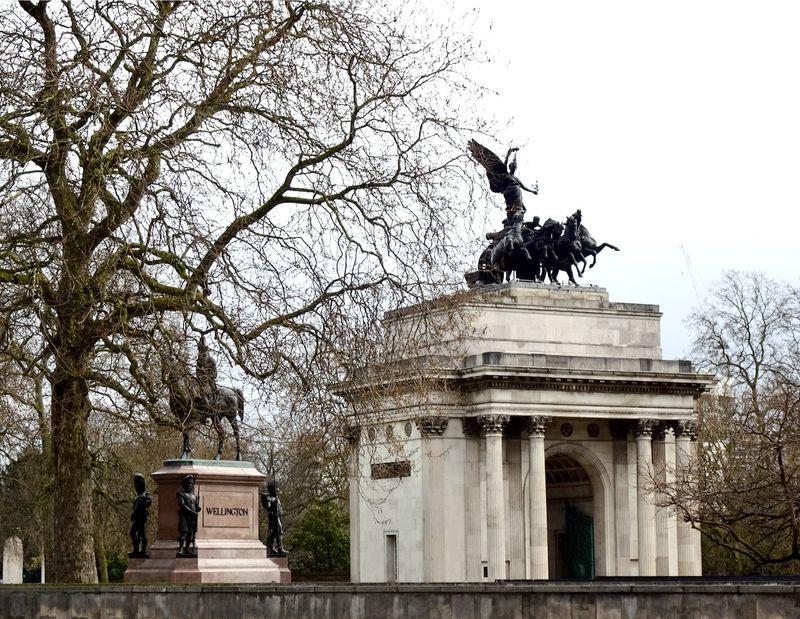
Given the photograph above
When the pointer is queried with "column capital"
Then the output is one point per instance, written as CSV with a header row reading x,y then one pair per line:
x,y
537,424
644,428
431,425
619,429
686,427
352,433
660,431
493,424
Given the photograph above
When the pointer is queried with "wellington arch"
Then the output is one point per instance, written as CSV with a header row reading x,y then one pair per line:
x,y
532,452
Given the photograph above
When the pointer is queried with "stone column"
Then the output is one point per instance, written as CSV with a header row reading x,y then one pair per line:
x,y
492,426
664,472
433,511
12,561
672,520
622,517
689,559
538,497
472,500
646,511
515,516
353,435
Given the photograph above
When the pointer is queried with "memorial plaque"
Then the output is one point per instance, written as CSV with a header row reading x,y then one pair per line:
x,y
388,470
227,509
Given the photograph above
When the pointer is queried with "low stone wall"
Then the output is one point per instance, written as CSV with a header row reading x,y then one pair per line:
x,y
595,600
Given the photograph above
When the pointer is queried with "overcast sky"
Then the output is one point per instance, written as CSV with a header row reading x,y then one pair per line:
x,y
675,127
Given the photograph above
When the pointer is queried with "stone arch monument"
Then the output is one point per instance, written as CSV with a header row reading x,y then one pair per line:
x,y
532,454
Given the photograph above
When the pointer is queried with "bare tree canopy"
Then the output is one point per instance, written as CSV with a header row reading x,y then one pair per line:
x,y
259,169
748,468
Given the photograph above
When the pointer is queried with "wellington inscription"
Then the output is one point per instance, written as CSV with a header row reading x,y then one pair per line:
x,y
227,509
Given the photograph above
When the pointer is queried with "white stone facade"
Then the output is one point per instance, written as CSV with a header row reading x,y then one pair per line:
x,y
554,415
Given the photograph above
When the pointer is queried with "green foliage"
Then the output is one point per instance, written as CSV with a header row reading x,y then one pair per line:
x,y
117,564
319,540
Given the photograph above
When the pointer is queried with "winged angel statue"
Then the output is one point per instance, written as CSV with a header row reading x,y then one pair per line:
x,y
502,180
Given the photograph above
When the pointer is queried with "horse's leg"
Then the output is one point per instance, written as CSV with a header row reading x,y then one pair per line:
x,y
186,453
601,246
235,427
574,263
220,435
571,277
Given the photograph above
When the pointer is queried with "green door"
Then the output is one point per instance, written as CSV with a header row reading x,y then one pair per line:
x,y
579,544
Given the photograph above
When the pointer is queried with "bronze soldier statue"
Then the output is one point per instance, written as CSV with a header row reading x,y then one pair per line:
x,y
272,505
141,505
188,510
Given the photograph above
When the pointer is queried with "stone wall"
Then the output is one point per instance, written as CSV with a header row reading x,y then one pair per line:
x,y
598,600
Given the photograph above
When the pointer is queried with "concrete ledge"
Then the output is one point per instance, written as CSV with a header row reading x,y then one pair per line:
x,y
627,599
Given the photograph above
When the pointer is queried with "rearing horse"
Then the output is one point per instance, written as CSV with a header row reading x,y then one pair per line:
x,y
193,408
589,246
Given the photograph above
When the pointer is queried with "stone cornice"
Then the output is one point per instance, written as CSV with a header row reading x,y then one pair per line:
x,y
537,372
578,383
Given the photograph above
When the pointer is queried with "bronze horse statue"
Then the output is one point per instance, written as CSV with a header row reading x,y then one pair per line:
x,y
194,403
589,246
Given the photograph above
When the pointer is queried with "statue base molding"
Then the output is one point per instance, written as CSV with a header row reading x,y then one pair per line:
x,y
283,564
228,547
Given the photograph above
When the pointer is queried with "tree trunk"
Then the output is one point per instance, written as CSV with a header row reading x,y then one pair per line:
x,y
100,558
73,559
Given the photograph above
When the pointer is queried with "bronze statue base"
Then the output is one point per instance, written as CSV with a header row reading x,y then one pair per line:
x,y
186,554
228,549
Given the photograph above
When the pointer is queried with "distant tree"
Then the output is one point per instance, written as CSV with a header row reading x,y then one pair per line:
x,y
25,502
319,540
743,491
256,168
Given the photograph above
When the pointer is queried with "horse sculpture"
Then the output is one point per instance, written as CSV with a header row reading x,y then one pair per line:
x,y
193,404
589,246
530,250
534,252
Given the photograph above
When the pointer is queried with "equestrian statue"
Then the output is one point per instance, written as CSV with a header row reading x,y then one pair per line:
x,y
194,400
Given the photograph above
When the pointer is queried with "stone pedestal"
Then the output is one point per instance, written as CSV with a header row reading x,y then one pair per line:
x,y
228,548
283,565
13,558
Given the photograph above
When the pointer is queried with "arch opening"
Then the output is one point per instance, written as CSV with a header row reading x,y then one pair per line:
x,y
570,518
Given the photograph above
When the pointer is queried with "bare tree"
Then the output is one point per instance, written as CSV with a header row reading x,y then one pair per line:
x,y
257,168
743,491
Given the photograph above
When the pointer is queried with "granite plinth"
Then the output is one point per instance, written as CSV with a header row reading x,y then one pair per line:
x,y
283,565
228,548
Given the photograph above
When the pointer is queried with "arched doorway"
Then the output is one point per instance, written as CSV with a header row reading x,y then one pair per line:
x,y
570,518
